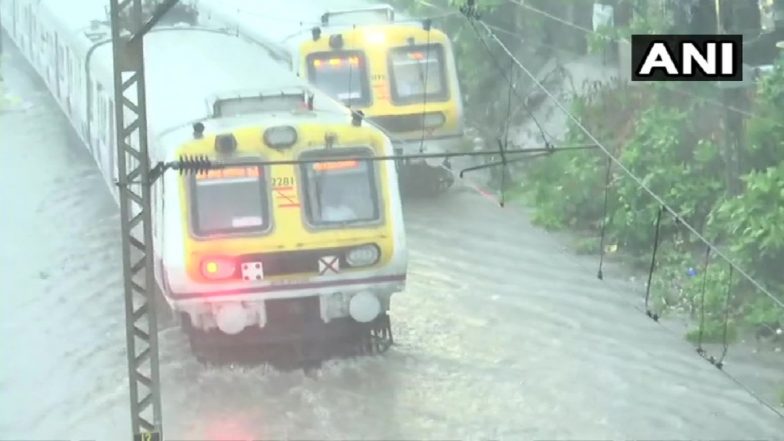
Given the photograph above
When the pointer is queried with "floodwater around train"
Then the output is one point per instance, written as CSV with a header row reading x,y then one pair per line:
x,y
500,334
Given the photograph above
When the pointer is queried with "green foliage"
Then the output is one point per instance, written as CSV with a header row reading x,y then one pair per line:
x,y
6,100
766,129
660,144
653,22
713,332
755,221
752,224
675,144
564,188
664,154
781,397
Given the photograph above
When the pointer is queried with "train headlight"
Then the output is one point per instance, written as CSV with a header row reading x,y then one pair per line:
x,y
374,37
363,256
216,268
280,137
364,307
433,120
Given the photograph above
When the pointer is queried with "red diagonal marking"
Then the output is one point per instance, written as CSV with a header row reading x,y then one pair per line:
x,y
328,265
289,201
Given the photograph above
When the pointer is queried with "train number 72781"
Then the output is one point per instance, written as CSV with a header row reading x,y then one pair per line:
x,y
285,181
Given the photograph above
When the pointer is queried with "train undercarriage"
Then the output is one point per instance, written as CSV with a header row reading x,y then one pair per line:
x,y
418,177
421,179
292,338
292,345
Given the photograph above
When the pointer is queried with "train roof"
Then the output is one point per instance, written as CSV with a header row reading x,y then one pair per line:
x,y
186,69
281,118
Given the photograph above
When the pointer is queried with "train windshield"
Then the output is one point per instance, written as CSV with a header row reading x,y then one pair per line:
x,y
342,75
228,201
418,74
341,192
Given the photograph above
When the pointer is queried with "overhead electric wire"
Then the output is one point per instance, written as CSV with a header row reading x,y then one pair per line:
x,y
663,207
425,83
628,172
500,68
445,14
199,163
513,86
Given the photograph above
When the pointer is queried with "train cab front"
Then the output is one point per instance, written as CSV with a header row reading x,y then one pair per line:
x,y
290,251
402,77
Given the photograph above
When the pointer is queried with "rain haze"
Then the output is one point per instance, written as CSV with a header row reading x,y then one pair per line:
x,y
306,289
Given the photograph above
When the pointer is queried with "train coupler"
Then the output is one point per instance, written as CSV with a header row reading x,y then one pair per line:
x,y
378,337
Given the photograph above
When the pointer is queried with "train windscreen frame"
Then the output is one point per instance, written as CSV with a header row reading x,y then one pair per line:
x,y
347,188
343,75
229,201
408,68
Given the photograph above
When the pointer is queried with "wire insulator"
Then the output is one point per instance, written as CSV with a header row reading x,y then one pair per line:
x,y
197,164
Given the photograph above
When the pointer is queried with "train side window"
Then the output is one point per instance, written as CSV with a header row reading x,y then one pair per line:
x,y
101,117
155,209
342,192
107,123
91,94
411,67
70,65
77,73
342,75
110,120
60,57
229,201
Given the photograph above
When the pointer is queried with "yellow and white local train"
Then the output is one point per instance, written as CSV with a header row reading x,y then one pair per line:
x,y
252,250
400,73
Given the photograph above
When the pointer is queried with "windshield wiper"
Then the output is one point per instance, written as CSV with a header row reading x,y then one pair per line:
x,y
317,183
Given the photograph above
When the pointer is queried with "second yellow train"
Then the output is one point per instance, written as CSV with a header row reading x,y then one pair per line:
x,y
399,73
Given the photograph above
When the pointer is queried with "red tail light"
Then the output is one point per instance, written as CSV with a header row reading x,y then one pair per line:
x,y
216,268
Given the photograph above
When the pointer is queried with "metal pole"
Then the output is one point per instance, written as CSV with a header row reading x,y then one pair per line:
x,y
134,186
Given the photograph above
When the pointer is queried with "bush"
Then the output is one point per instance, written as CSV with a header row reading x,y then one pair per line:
x,y
781,397
676,146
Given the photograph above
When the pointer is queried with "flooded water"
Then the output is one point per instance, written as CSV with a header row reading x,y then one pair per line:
x,y
500,334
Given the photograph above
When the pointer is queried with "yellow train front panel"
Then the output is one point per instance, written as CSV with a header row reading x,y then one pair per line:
x,y
401,76
255,228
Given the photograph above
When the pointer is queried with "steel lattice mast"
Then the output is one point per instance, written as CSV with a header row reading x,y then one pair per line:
x,y
134,187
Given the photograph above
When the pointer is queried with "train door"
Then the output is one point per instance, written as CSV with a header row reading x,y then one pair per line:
x,y
111,163
90,111
100,125
80,89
